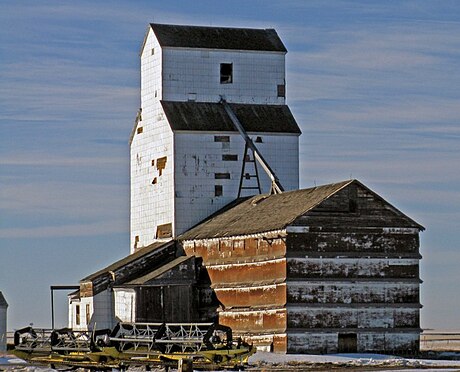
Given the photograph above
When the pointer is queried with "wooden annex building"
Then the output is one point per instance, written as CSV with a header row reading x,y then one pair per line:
x,y
328,269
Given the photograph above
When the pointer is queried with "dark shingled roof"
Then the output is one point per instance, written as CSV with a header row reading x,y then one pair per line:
x,y
161,270
261,213
126,260
204,116
3,301
218,38
264,213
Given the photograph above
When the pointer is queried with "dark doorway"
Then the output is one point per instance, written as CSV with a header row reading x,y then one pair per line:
x,y
348,343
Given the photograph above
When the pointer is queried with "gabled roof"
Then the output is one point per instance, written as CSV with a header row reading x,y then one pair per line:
x,y
156,273
205,116
141,253
3,302
218,38
265,213
261,213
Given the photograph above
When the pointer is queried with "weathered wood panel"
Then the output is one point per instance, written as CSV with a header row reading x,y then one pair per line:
x,y
376,342
354,206
248,273
255,321
270,295
353,293
166,303
236,250
303,317
390,244
352,268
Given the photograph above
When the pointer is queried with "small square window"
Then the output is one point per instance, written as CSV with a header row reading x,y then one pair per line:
x,y
226,73
221,138
222,176
229,157
282,91
218,190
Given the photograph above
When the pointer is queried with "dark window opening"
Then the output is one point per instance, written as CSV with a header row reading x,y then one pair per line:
x,y
218,190
154,181
222,176
221,138
259,139
153,163
226,73
153,51
140,130
77,314
136,241
282,91
226,157
348,343
88,315
247,176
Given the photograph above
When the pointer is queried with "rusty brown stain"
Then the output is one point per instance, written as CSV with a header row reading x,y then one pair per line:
x,y
236,250
255,321
257,296
259,272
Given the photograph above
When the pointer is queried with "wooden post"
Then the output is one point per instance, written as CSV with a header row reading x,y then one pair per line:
x,y
185,365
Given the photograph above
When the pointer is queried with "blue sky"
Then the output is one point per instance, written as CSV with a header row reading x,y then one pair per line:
x,y
374,86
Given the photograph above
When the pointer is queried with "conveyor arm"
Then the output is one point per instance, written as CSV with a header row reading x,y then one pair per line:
x,y
276,185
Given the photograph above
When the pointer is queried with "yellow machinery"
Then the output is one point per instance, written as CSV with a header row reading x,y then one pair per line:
x,y
148,344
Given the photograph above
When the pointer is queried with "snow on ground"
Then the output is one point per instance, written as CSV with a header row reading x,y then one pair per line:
x,y
271,361
349,360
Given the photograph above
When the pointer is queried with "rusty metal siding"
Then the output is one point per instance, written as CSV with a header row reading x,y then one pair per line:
x,y
252,296
236,250
248,277
270,271
255,321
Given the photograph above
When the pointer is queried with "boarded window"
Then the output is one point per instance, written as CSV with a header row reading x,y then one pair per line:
x,y
229,157
282,90
226,73
221,138
140,130
222,176
218,190
164,231
77,314
161,164
88,314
